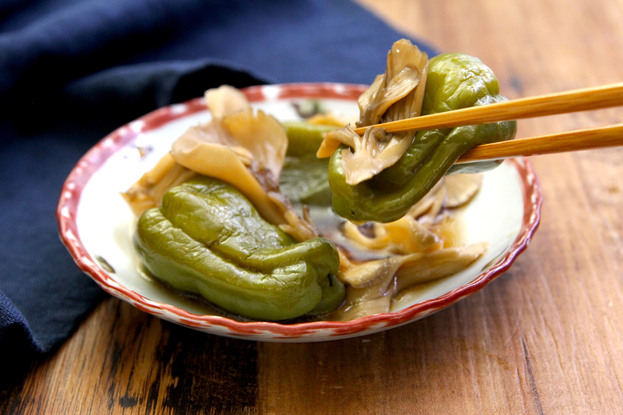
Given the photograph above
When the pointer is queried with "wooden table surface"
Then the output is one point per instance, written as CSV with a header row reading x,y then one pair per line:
x,y
546,337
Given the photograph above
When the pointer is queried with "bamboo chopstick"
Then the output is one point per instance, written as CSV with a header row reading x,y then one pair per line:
x,y
590,138
550,104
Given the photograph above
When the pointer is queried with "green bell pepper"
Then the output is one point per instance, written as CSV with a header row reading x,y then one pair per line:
x,y
208,239
304,178
304,138
454,81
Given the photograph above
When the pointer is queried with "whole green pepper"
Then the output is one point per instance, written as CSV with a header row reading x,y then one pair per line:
x,y
454,81
208,239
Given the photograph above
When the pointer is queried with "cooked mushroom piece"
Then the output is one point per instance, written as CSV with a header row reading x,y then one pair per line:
x,y
396,94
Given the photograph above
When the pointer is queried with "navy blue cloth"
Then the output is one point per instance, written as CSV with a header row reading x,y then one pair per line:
x,y
71,71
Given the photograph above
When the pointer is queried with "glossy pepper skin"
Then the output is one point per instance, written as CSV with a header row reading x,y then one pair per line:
x,y
454,81
208,239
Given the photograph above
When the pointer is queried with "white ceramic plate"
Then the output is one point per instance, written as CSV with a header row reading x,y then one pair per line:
x,y
95,224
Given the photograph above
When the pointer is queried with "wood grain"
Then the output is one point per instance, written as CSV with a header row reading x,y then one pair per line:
x,y
545,338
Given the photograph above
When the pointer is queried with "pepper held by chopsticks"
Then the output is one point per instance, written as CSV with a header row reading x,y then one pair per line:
x,y
453,81
208,239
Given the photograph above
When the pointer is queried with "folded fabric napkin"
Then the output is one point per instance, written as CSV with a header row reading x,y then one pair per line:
x,y
72,71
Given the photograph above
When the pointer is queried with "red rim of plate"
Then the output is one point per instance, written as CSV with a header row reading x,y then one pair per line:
x,y
85,168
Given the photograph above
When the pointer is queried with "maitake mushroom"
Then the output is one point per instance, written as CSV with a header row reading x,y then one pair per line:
x,y
394,95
